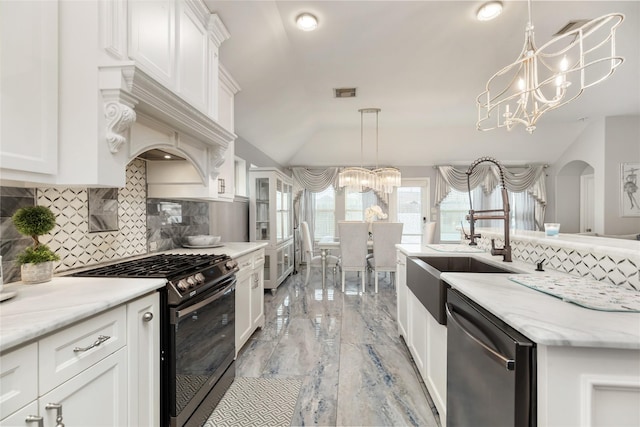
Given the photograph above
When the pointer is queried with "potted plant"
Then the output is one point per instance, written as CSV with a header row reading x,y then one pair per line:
x,y
36,262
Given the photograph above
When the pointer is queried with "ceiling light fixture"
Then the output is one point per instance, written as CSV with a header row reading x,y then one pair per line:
x,y
544,79
307,22
489,11
360,178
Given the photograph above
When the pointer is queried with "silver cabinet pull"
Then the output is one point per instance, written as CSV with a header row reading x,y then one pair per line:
x,y
255,281
35,419
58,408
100,340
147,316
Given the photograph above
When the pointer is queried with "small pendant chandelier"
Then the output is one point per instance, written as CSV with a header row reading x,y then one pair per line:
x,y
361,179
544,79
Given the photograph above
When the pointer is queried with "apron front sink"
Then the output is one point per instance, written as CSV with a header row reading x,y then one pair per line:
x,y
423,278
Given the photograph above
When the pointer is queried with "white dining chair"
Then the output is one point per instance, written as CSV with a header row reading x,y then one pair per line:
x,y
314,260
386,235
353,248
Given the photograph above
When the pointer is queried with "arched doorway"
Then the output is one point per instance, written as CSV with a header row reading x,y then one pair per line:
x,y
575,207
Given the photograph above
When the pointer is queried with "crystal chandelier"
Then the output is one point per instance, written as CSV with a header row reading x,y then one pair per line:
x,y
359,178
544,79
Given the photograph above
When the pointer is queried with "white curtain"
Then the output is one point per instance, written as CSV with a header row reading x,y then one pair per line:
x,y
531,180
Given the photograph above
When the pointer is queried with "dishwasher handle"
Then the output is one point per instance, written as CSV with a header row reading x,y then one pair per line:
x,y
508,364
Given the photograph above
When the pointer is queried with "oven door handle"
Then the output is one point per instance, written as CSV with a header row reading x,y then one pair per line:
x,y
182,313
508,364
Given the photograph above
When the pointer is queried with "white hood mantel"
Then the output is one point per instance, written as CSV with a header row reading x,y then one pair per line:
x,y
128,91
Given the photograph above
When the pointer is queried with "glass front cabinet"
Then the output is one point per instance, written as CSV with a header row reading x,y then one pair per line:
x,y
271,221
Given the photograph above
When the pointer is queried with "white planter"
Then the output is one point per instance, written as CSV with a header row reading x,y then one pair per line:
x,y
36,273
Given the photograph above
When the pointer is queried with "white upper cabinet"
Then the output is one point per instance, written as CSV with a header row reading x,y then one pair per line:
x,y
75,94
152,38
29,87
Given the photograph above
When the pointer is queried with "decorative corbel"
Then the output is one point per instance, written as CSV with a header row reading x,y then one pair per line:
x,y
120,117
216,159
116,84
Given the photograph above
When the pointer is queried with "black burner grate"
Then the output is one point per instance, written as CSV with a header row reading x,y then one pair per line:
x,y
164,265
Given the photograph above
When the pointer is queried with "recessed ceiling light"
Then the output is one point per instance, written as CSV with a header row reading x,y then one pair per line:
x,y
307,22
489,11
166,156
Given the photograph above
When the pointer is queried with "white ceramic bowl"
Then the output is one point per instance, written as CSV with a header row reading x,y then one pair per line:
x,y
202,240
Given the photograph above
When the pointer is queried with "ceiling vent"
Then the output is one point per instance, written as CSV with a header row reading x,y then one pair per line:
x,y
345,92
571,25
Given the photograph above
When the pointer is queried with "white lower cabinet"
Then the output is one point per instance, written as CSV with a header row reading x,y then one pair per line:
x,y
401,306
102,371
425,338
418,332
249,296
143,343
95,397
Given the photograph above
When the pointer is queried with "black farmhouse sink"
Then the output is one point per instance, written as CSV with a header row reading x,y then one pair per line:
x,y
423,278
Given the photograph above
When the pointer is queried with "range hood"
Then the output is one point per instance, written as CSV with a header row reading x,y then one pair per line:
x,y
160,119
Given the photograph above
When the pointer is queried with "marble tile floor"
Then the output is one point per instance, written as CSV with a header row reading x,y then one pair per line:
x,y
355,369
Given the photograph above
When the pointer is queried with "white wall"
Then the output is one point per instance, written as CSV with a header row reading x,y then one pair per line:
x,y
604,144
622,135
589,148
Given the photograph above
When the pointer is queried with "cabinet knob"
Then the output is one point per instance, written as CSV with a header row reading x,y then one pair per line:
x,y
35,419
58,408
147,316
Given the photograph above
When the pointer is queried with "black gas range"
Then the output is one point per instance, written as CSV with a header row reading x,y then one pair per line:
x,y
197,329
188,275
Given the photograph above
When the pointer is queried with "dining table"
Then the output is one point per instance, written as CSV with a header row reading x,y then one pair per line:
x,y
326,244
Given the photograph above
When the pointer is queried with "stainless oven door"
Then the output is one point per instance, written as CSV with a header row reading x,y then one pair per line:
x,y
202,346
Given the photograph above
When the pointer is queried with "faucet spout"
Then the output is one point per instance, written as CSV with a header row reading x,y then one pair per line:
x,y
473,216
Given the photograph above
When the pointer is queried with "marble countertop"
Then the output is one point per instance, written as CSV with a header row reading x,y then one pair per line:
x,y
42,308
542,318
39,309
233,249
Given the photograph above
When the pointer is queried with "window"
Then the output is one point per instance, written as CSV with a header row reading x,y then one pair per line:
x,y
355,204
455,207
325,219
453,210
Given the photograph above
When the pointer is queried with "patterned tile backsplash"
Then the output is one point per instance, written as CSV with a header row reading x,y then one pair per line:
x,y
593,264
140,223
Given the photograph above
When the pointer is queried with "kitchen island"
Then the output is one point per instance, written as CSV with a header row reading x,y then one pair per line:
x,y
588,366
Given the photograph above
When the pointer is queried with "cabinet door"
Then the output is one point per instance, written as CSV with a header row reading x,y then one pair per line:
x,y
257,297
243,310
18,378
418,332
95,397
18,419
143,344
152,38
193,52
402,306
29,82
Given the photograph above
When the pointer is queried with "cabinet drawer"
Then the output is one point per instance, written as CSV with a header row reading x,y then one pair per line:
x,y
18,378
72,350
258,258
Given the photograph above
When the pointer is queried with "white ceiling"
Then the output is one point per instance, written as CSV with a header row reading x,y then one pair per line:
x,y
422,62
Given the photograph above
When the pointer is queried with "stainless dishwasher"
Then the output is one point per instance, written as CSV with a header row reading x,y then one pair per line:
x,y
491,369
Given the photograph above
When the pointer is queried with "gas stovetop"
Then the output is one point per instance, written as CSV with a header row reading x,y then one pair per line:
x,y
164,265
188,275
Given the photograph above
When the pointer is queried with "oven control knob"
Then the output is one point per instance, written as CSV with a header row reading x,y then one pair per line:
x,y
231,264
191,281
183,285
199,277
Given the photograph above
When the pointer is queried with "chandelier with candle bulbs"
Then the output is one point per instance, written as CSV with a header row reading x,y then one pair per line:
x,y
543,79
380,179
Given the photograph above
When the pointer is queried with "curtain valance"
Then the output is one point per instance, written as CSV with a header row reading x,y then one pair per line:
x,y
531,180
